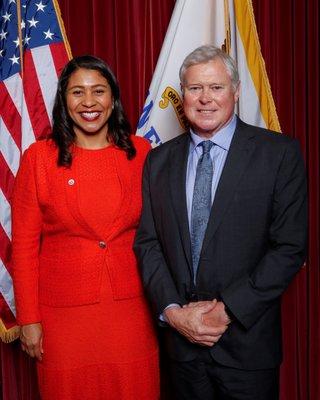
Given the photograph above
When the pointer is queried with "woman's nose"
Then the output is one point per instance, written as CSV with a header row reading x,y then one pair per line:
x,y
88,100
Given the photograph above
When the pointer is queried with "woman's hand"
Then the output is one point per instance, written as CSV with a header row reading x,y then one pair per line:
x,y
31,340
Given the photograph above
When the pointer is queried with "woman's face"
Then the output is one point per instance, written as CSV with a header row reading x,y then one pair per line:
x,y
89,102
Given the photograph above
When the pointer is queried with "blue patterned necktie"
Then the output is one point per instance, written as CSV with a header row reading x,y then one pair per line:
x,y
201,202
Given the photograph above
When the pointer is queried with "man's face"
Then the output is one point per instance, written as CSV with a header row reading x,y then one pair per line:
x,y
209,97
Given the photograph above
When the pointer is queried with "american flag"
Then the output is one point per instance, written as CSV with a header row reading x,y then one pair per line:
x,y
33,51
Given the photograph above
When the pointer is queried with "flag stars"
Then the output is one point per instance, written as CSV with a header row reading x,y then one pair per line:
x,y
3,35
40,6
27,40
33,22
12,1
14,60
48,34
17,41
1,51
23,24
6,16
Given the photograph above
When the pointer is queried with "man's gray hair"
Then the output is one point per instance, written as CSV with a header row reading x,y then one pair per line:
x,y
206,53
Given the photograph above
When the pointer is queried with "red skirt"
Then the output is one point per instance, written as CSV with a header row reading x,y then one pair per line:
x,y
104,351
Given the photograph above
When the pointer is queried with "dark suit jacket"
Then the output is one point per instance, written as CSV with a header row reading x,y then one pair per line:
x,y
254,244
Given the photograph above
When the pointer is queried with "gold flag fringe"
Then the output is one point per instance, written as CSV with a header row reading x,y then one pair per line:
x,y
9,335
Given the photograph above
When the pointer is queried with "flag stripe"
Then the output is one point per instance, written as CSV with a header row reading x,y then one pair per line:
x,y
6,287
6,178
5,215
5,245
44,65
15,90
59,54
27,136
34,99
14,87
10,115
8,148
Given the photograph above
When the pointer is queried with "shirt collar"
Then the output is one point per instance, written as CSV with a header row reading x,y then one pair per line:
x,y
222,138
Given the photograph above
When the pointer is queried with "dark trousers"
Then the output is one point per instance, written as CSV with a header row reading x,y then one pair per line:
x,y
205,379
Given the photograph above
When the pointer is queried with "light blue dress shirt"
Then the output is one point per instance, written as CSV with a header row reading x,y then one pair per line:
x,y
222,140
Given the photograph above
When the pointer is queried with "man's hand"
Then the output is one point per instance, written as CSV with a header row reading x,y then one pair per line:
x,y
217,316
31,340
189,322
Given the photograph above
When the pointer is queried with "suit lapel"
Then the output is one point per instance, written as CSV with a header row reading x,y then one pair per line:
x,y
177,177
237,160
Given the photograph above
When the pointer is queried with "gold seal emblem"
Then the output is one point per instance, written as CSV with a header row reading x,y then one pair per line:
x,y
172,96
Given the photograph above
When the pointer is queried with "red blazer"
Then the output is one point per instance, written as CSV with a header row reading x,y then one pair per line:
x,y
57,257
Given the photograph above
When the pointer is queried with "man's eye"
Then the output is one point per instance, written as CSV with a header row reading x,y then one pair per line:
x,y
99,91
194,88
77,92
217,87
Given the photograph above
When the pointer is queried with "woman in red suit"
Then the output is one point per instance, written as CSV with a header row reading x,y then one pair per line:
x,y
76,205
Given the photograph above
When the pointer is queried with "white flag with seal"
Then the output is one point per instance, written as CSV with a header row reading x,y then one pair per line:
x,y
228,24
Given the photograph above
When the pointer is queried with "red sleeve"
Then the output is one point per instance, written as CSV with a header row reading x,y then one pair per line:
x,y
26,231
142,145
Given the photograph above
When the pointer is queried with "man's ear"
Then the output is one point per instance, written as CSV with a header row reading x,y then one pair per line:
x,y
182,89
237,92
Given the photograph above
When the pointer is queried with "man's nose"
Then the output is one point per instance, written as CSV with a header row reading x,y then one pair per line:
x,y
206,95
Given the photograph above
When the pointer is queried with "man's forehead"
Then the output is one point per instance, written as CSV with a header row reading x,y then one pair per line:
x,y
207,76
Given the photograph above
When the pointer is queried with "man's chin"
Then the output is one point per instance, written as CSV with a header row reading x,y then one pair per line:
x,y
206,130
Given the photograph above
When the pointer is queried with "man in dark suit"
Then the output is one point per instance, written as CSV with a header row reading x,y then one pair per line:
x,y
222,234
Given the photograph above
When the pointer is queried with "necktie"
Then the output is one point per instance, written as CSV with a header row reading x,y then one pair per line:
x,y
201,202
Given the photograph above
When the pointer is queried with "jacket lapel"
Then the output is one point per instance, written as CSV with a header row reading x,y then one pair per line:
x,y
125,175
72,195
177,178
237,160
71,186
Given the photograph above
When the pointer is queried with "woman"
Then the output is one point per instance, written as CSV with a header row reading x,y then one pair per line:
x,y
76,206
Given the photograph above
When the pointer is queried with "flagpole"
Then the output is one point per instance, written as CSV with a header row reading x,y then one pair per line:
x,y
20,34
62,28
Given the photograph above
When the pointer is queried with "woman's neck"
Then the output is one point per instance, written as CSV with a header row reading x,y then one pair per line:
x,y
92,142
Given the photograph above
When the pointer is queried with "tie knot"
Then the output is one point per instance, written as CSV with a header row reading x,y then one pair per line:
x,y
206,145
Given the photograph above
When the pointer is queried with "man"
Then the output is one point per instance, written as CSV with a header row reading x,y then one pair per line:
x,y
223,232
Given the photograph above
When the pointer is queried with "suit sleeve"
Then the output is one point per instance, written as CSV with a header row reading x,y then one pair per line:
x,y
249,297
26,231
156,277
